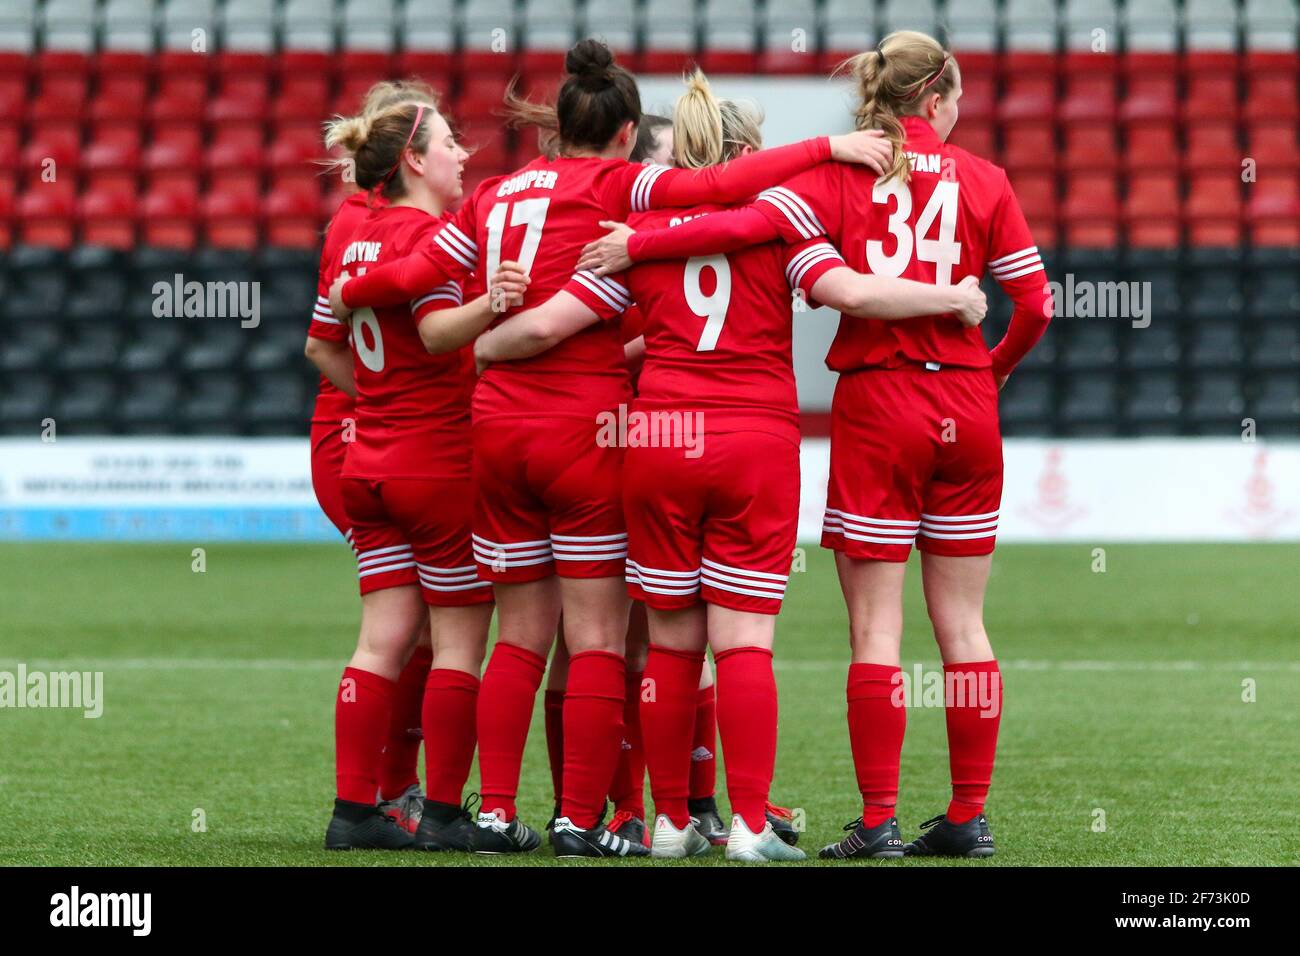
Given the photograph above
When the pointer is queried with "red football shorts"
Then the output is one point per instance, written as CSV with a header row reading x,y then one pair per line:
x,y
720,527
415,531
916,456
549,501
327,451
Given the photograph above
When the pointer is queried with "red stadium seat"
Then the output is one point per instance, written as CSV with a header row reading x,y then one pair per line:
x,y
977,136
122,64
432,66
1212,145
14,97
112,160
977,96
1090,146
45,214
1152,210
1210,97
167,218
1151,87
1214,209
120,98
1090,88
243,64
1273,147
1029,145
299,97
6,214
9,145
231,219
63,63
1273,212
61,98
107,218
1036,193
1272,99
1027,96
236,164
1091,211
1153,143
56,153
291,217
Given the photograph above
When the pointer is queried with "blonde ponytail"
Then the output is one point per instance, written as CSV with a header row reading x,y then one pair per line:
x,y
890,81
707,130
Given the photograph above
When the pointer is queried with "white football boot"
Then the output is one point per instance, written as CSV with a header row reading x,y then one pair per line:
x,y
750,847
670,843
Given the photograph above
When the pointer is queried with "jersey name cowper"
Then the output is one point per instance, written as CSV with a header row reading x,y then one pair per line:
x,y
533,179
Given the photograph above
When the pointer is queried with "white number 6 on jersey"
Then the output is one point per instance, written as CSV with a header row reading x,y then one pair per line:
x,y
371,358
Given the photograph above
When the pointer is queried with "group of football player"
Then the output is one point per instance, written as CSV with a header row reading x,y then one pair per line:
x,y
648,270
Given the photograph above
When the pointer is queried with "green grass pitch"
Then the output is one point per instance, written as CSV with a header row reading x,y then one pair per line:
x,y
1125,738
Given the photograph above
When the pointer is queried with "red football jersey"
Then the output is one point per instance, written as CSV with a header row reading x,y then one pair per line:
x,y
541,216
332,405
956,216
718,328
412,409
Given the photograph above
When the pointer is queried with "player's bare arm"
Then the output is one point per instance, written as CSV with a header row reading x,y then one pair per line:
x,y
334,360
534,331
449,329
883,297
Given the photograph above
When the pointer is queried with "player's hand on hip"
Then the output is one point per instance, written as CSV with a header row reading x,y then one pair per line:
x,y
870,147
608,254
341,311
972,304
507,286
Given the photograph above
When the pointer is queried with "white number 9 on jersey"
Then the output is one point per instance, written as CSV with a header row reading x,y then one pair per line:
x,y
371,358
712,308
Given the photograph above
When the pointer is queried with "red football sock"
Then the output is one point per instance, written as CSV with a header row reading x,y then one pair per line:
x,y
399,765
450,718
505,707
593,729
628,789
704,756
667,719
876,726
973,707
362,711
747,724
553,709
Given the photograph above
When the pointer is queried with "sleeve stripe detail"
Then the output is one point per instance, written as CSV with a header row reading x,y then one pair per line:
x,y
642,185
323,300
795,210
610,296
455,245
1016,263
611,285
1027,270
452,230
1007,260
798,266
447,292
327,319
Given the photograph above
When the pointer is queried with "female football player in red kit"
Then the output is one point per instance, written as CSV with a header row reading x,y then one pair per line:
x,y
327,347
406,487
916,453
549,495
711,489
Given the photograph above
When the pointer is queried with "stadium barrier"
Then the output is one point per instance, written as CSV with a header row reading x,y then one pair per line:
x,y
1176,489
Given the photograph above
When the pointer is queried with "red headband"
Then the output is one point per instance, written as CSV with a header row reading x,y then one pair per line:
x,y
932,80
419,114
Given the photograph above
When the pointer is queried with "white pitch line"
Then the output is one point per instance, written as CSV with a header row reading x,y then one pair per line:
x,y
331,664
